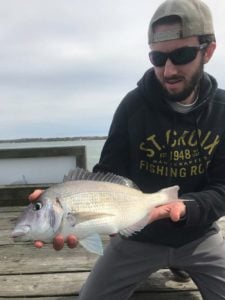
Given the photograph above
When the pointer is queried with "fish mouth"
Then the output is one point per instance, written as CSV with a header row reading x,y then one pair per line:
x,y
20,232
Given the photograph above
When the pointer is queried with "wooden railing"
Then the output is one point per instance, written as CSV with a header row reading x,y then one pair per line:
x,y
16,194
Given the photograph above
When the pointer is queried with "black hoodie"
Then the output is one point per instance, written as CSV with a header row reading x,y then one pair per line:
x,y
157,147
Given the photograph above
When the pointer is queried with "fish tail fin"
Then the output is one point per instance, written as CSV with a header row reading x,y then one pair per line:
x,y
163,196
171,192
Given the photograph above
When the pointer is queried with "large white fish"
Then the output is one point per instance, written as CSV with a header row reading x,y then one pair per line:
x,y
90,204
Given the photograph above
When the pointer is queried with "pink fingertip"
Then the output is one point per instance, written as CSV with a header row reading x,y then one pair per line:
x,y
38,244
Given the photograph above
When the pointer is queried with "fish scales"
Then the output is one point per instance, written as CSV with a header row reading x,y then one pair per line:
x,y
100,197
106,199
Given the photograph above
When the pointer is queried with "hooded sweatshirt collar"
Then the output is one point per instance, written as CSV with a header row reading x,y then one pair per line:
x,y
151,90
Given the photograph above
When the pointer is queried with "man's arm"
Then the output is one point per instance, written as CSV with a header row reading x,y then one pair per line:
x,y
209,203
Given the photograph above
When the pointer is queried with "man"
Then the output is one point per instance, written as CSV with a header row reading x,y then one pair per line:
x,y
169,130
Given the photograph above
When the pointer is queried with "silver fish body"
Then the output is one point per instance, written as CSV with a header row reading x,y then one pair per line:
x,y
87,206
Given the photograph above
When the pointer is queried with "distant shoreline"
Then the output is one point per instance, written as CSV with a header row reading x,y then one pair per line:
x,y
77,138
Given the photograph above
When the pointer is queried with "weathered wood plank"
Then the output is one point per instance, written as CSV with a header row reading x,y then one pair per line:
x,y
44,152
18,194
136,296
41,284
27,259
5,237
8,217
70,284
8,220
28,265
4,209
9,214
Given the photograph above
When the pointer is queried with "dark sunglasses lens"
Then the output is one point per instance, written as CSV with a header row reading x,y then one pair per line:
x,y
184,55
179,56
158,59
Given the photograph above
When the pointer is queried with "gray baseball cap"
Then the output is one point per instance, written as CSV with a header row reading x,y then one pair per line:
x,y
195,16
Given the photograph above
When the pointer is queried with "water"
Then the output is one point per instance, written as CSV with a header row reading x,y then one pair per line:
x,y
93,147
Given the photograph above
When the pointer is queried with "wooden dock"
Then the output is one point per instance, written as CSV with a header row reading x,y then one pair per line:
x,y
45,274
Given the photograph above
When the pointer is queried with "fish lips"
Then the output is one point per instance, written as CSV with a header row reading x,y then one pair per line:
x,y
19,233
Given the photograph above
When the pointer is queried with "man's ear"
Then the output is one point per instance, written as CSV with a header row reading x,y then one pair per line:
x,y
209,52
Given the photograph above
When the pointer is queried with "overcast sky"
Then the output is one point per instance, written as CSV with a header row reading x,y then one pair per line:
x,y
66,64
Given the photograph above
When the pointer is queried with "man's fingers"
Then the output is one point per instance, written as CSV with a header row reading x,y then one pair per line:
x,y
175,215
177,211
174,211
72,241
58,242
38,244
35,195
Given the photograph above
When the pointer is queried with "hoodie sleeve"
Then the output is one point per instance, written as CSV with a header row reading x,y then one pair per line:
x,y
115,154
209,204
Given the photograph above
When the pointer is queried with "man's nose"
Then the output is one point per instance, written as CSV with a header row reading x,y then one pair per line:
x,y
169,69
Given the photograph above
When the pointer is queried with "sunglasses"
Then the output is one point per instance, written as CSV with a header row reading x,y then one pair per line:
x,y
180,56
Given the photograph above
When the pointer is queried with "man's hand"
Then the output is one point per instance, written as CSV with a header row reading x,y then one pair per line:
x,y
58,242
174,210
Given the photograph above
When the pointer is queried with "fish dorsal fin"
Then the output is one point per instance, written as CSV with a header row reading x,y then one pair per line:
x,y
81,174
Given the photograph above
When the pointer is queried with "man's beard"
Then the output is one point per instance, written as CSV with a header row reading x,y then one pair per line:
x,y
193,85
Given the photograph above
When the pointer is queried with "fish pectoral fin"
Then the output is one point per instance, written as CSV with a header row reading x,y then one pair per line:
x,y
87,216
128,231
93,244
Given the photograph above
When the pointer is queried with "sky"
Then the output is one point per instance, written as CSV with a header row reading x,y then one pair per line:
x,y
65,65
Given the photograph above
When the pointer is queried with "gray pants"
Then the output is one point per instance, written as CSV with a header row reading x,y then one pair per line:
x,y
126,263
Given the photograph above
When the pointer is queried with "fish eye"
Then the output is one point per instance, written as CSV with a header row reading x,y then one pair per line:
x,y
37,206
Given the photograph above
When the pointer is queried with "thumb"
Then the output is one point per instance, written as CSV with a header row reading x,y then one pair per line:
x,y
33,196
176,212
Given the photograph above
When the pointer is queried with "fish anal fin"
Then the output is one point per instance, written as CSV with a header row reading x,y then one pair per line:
x,y
128,231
